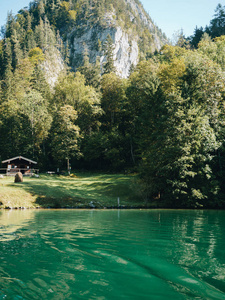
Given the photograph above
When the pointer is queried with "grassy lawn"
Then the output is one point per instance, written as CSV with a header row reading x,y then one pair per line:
x,y
80,190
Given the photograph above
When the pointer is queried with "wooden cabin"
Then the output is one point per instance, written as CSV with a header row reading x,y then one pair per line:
x,y
19,164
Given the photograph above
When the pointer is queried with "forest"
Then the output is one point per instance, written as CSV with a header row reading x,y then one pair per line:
x,y
165,122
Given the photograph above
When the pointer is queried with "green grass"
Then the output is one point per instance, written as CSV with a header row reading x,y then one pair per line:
x,y
80,190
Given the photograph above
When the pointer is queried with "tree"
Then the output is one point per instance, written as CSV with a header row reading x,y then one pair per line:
x,y
196,37
24,112
113,97
108,52
217,24
7,57
215,29
213,49
64,135
92,72
71,90
179,112
40,34
17,52
114,125
35,109
180,40
36,56
29,41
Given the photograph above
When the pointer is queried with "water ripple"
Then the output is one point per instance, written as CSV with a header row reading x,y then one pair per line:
x,y
105,255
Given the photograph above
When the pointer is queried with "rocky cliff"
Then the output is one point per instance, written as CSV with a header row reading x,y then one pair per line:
x,y
75,28
126,51
53,65
133,33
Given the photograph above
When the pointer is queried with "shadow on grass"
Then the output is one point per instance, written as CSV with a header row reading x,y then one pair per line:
x,y
81,192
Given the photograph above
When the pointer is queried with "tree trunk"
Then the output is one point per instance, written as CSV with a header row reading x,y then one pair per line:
x,y
131,151
68,165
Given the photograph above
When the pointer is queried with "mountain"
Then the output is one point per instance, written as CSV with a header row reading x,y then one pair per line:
x,y
133,34
80,29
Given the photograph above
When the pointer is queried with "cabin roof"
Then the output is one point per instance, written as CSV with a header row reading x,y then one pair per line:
x,y
19,157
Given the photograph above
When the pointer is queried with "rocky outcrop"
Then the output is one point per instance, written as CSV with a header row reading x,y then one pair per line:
x,y
138,10
126,41
52,65
126,52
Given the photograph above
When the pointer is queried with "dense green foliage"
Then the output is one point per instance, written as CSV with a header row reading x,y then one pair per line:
x,y
182,129
166,121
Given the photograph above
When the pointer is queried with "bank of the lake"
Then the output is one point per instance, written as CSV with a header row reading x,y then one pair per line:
x,y
80,190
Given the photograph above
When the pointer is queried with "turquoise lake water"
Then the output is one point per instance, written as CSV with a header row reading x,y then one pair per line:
x,y
104,254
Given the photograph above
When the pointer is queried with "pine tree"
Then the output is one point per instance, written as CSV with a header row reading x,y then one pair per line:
x,y
217,24
92,72
17,51
86,68
7,55
40,34
1,60
96,74
67,53
29,41
41,9
9,25
29,22
195,39
108,51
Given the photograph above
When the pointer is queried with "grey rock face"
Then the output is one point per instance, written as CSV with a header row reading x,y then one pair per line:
x,y
146,20
52,65
126,49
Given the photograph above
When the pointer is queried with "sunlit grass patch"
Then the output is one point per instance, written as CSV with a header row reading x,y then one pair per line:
x,y
80,190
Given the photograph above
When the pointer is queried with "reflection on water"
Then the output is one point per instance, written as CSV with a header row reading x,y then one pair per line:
x,y
155,254
11,221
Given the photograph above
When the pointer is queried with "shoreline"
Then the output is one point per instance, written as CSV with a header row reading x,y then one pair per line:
x,y
109,208
90,191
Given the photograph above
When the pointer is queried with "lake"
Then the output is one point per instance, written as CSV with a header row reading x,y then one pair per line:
x,y
110,254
